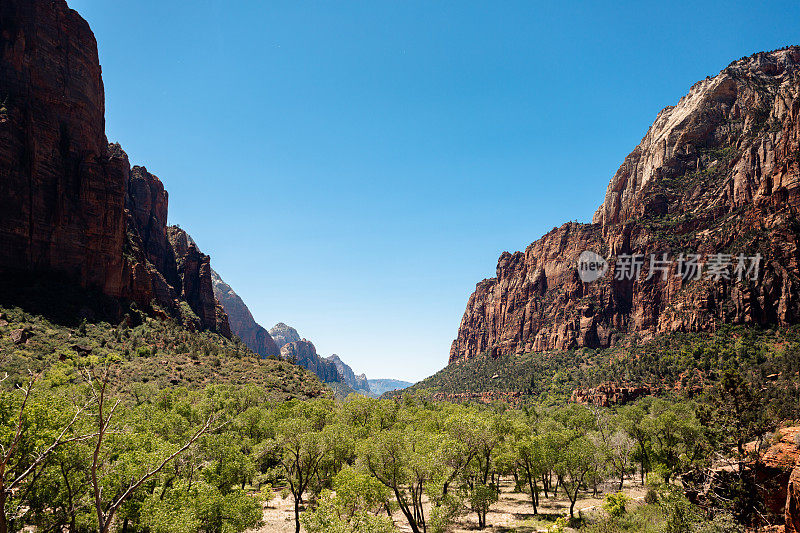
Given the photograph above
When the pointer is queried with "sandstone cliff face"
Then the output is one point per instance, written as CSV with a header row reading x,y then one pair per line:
x,y
773,474
148,204
717,173
241,320
283,334
61,193
70,202
196,288
357,382
162,263
303,353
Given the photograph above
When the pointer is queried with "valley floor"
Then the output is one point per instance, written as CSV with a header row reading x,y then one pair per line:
x,y
513,513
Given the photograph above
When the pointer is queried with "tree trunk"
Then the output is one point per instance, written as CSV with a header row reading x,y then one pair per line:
x,y
534,495
3,523
297,515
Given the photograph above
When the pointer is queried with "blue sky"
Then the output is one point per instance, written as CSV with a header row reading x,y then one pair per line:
x,y
354,168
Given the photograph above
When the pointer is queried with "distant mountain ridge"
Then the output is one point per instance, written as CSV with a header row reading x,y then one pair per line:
x,y
381,386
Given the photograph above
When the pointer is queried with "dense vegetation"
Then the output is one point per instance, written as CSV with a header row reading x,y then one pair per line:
x,y
152,354
685,363
81,451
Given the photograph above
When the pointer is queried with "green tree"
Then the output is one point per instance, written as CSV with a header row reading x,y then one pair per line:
x,y
575,462
352,506
303,447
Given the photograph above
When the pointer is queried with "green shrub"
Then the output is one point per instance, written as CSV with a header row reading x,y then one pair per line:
x,y
615,504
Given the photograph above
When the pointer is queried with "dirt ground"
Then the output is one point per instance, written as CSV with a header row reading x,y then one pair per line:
x,y
512,513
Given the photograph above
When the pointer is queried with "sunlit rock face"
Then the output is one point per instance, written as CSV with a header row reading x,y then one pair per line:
x,y
715,174
241,320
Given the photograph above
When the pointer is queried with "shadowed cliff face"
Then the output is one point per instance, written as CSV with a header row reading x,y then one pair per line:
x,y
61,193
717,173
70,202
793,502
241,320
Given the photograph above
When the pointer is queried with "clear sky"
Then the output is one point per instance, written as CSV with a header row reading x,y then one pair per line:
x,y
354,168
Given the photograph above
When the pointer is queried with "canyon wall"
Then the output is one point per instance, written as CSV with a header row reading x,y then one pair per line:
x,y
718,173
71,204
62,194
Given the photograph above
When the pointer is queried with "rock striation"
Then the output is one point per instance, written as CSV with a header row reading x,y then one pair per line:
x,y
241,319
718,173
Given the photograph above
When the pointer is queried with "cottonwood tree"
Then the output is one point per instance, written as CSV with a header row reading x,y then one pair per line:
x,y
403,460
302,448
619,451
352,506
576,461
28,438
532,462
133,476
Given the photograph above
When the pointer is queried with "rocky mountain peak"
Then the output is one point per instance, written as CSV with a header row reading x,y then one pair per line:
x,y
358,382
283,334
729,109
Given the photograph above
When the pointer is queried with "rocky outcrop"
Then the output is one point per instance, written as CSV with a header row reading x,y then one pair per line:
x,y
283,334
357,382
719,173
148,204
196,288
62,193
303,353
241,320
608,394
768,466
163,264
774,471
793,502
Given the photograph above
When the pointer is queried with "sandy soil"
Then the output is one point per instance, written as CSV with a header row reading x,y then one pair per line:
x,y
513,513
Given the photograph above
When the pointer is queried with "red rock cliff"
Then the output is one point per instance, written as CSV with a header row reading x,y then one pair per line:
x,y
61,192
716,173
793,502
70,202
